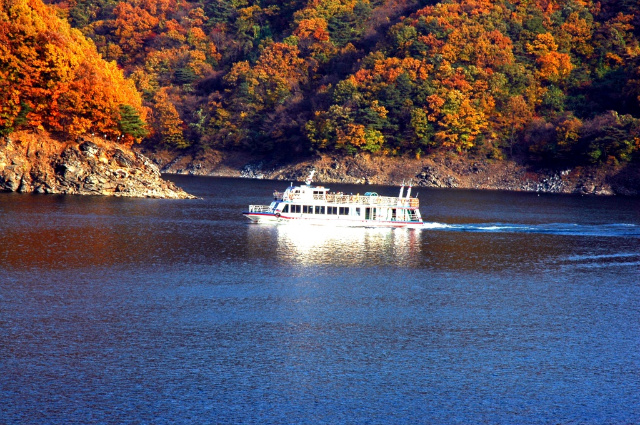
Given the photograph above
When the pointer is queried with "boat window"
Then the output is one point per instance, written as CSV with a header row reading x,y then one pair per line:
x,y
285,209
319,209
307,209
356,211
343,211
332,210
296,208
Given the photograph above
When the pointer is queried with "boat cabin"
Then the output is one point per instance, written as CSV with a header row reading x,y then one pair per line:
x,y
317,204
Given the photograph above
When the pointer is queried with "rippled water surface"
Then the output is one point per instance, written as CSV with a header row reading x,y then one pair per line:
x,y
509,308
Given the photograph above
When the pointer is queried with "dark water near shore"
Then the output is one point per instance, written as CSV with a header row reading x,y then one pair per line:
x,y
511,308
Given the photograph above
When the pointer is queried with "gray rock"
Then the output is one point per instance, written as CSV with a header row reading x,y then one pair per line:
x,y
12,183
430,177
120,174
146,162
25,184
253,170
122,159
89,149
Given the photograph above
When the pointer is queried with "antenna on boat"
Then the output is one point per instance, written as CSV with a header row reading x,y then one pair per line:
x,y
310,178
401,190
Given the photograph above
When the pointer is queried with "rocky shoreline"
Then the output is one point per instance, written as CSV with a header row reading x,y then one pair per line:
x,y
445,171
36,163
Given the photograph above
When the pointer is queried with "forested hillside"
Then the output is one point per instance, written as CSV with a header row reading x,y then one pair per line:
x,y
52,78
550,82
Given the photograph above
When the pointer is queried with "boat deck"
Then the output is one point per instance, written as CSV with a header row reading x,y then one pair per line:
x,y
340,198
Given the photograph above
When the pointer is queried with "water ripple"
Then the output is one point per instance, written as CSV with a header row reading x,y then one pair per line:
x,y
568,229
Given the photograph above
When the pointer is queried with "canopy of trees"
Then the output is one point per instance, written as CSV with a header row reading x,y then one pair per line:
x,y
555,81
51,77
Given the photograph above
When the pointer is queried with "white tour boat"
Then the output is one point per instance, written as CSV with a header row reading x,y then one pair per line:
x,y
317,205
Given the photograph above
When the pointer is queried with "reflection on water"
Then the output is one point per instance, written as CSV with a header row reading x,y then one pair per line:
x,y
308,245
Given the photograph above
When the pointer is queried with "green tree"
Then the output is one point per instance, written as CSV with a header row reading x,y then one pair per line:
x,y
131,124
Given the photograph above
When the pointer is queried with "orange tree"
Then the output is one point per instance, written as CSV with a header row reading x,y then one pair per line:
x,y
52,78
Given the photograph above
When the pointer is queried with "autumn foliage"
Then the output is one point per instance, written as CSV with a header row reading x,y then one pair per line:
x,y
51,77
483,76
549,81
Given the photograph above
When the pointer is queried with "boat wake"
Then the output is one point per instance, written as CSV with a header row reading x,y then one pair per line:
x,y
598,261
571,229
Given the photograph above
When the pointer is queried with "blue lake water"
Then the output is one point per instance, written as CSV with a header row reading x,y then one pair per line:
x,y
510,308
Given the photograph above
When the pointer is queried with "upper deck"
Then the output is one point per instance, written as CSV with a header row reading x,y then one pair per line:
x,y
321,195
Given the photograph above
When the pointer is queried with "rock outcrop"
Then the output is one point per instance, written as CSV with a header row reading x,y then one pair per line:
x,y
87,166
439,171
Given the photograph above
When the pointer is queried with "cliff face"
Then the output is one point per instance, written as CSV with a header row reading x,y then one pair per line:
x,y
88,166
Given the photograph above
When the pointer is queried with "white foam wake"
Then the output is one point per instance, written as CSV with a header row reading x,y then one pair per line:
x,y
571,229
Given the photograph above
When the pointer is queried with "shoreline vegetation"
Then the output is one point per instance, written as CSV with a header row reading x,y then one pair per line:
x,y
535,95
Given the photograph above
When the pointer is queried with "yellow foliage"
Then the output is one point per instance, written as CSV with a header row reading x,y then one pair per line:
x,y
167,121
542,45
554,66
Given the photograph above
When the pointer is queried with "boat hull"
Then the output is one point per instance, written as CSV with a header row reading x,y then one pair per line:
x,y
271,218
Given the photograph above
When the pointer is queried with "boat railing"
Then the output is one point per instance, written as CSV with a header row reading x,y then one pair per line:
x,y
341,198
259,208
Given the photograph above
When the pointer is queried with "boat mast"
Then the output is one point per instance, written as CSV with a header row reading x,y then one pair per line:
x,y
310,178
